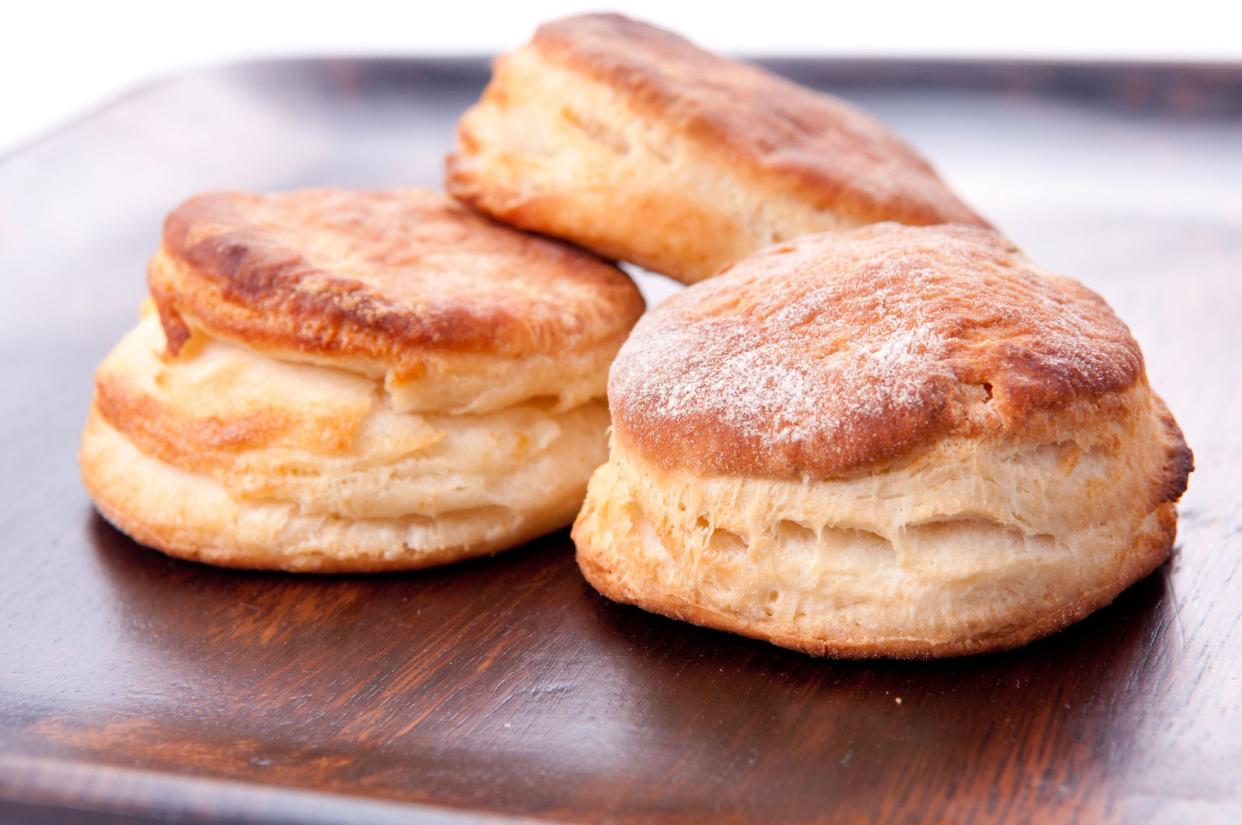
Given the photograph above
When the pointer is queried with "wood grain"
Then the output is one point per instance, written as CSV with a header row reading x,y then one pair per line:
x,y
137,687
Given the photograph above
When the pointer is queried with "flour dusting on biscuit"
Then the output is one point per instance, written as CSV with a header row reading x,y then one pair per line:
x,y
885,441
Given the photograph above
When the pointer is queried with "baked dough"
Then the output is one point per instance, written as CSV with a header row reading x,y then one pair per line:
x,y
884,441
347,381
633,142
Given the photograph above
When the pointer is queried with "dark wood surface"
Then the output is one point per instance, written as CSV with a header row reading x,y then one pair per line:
x,y
135,686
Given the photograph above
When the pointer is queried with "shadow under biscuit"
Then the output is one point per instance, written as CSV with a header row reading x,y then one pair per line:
x,y
1042,716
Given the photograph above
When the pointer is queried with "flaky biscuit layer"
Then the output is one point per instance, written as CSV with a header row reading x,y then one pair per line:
x,y
224,455
970,547
635,143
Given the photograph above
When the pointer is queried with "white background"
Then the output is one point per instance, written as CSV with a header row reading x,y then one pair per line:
x,y
59,58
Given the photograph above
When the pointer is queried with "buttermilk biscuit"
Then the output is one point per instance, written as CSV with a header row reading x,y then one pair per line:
x,y
347,381
633,142
884,441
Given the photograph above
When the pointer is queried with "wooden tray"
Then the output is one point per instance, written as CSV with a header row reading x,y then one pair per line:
x,y
134,686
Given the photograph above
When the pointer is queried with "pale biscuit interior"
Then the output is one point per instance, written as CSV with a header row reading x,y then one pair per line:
x,y
972,545
239,458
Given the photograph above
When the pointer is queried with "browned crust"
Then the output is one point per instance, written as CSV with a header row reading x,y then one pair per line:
x,y
391,276
1153,550
1179,460
827,151
802,143
196,442
837,351
161,433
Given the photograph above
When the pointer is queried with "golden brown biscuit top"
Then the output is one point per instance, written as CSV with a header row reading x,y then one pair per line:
x,y
841,349
819,147
382,275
